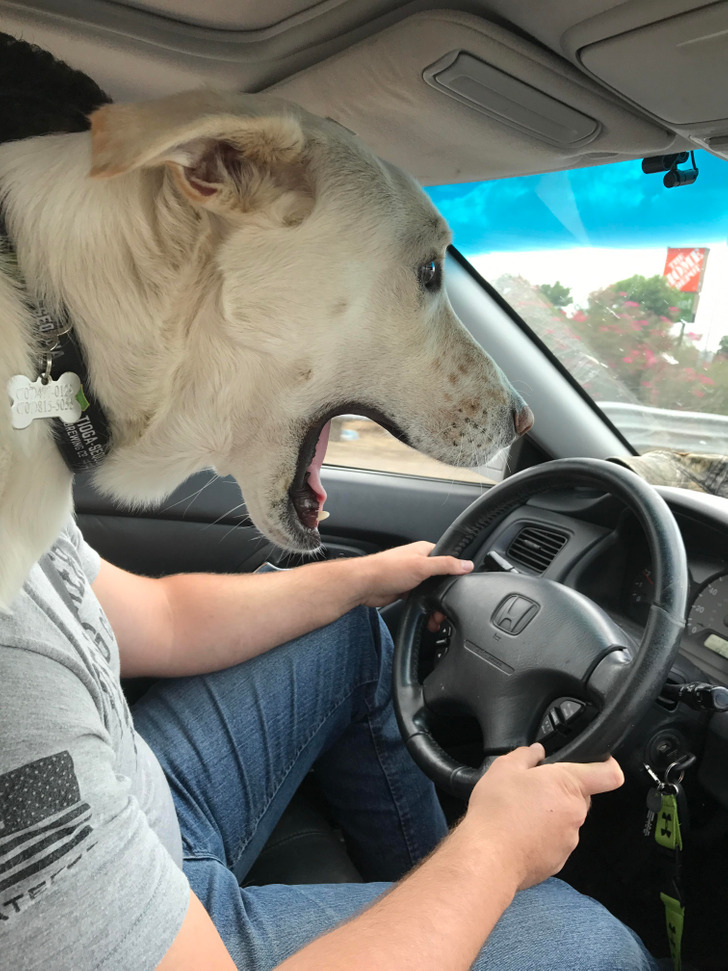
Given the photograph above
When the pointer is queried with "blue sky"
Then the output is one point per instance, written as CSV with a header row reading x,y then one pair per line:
x,y
609,205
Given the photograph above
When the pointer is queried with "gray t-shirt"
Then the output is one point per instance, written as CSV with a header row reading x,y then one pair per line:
x,y
90,848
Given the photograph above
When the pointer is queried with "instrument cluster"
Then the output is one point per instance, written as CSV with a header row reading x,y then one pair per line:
x,y
707,618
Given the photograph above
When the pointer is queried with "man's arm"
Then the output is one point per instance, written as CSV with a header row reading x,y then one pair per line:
x,y
522,823
194,623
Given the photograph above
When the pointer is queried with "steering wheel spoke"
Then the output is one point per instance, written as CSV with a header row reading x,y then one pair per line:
x,y
609,673
440,692
504,730
432,593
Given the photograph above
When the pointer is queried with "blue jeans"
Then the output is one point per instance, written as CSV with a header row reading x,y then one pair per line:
x,y
236,744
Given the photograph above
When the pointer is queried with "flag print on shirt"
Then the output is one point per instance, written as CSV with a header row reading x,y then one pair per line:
x,y
44,829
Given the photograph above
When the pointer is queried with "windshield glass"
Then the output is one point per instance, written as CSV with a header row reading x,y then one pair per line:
x,y
625,280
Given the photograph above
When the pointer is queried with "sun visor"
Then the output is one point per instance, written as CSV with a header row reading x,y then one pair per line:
x,y
453,98
683,70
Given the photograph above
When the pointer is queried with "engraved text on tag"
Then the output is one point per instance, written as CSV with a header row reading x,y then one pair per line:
x,y
62,398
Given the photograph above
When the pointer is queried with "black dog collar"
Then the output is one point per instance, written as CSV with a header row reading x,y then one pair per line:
x,y
83,443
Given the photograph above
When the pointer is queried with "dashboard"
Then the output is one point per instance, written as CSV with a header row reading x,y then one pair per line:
x,y
590,542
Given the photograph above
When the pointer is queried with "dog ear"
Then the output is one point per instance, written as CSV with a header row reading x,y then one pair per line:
x,y
228,163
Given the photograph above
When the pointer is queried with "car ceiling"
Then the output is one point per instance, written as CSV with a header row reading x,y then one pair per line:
x,y
547,85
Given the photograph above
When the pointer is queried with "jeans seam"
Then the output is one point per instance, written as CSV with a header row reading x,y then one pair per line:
x,y
405,821
242,845
192,857
402,814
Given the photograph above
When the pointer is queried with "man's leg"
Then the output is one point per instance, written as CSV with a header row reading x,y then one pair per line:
x,y
235,745
547,928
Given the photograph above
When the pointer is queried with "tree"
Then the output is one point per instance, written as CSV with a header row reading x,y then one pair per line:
x,y
638,341
557,293
655,294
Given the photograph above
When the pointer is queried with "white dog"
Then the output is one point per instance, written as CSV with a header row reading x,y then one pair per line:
x,y
236,271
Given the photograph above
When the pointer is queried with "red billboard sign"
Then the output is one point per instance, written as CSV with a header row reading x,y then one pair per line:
x,y
684,268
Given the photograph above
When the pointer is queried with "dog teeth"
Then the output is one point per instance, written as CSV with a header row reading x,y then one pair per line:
x,y
323,515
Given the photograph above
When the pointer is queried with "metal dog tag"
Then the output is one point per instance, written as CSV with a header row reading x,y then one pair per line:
x,y
63,398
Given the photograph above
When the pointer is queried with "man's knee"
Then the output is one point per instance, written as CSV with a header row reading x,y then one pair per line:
x,y
362,650
553,926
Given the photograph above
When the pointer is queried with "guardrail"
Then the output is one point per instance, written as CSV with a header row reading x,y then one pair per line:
x,y
683,431
646,428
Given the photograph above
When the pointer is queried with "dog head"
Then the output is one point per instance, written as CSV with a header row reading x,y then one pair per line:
x,y
325,298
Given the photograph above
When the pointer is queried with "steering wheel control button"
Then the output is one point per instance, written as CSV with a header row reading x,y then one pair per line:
x,y
545,728
514,613
557,718
570,709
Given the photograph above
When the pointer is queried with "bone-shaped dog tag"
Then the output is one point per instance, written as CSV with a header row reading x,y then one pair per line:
x,y
62,399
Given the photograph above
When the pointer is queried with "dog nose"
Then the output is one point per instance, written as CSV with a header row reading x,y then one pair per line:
x,y
523,420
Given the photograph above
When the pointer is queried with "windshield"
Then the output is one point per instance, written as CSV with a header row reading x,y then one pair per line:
x,y
625,281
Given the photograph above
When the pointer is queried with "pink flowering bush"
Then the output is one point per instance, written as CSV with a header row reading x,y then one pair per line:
x,y
637,328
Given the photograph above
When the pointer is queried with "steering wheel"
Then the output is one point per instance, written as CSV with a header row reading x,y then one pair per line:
x,y
523,648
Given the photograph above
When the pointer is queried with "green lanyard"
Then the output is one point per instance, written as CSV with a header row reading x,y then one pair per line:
x,y
669,837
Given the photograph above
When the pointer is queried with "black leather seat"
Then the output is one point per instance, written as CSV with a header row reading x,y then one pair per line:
x,y
303,848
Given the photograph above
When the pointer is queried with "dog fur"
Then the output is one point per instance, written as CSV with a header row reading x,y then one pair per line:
x,y
235,269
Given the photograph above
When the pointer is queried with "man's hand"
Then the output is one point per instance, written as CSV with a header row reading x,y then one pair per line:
x,y
387,576
522,823
533,812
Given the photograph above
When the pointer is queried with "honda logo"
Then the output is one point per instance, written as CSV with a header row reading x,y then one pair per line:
x,y
514,613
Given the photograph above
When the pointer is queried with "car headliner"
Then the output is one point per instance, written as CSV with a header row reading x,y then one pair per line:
x,y
364,63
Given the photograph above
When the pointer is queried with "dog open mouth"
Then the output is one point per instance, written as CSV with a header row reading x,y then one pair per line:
x,y
307,494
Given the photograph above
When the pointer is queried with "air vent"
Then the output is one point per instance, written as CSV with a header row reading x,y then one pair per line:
x,y
536,547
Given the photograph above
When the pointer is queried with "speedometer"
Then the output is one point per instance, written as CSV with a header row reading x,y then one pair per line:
x,y
708,617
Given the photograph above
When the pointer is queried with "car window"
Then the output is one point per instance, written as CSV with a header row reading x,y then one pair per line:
x,y
359,443
624,279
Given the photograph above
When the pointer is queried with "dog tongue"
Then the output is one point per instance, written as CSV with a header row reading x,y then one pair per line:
x,y
314,469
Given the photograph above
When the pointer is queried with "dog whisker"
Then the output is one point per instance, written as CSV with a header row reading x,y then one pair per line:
x,y
232,529
226,514
199,492
191,498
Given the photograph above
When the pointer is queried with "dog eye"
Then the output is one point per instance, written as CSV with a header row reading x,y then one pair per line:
x,y
429,275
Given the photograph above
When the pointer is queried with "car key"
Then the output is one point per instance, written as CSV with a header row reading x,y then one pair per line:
x,y
654,804
654,799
